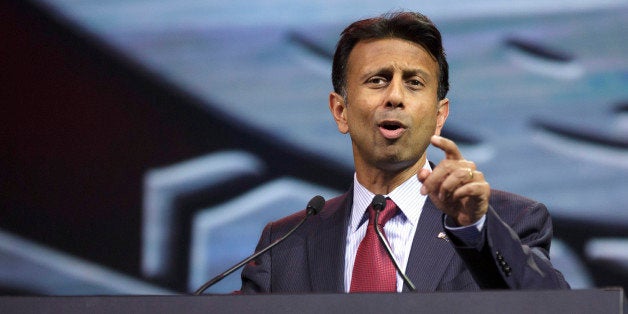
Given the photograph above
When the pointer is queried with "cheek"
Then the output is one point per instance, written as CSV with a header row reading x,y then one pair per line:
x,y
427,121
355,122
357,115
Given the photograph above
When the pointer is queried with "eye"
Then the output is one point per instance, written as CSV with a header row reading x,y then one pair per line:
x,y
377,81
415,83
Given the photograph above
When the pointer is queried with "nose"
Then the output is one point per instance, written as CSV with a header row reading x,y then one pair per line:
x,y
394,98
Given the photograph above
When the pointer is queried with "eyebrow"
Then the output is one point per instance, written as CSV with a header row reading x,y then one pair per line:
x,y
405,73
420,72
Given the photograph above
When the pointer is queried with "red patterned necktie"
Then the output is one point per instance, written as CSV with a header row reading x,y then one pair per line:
x,y
373,270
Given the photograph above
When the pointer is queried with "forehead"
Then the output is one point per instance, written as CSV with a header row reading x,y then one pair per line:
x,y
372,55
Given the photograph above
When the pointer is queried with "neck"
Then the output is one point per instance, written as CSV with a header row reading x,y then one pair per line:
x,y
383,181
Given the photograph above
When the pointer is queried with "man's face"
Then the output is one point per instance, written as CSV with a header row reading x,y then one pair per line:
x,y
391,108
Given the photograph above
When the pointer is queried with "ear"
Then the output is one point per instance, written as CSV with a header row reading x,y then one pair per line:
x,y
441,114
339,111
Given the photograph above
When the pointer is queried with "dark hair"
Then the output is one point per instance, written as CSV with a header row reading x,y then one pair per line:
x,y
414,27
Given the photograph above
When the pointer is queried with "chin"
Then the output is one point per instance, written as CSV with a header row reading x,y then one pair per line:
x,y
396,163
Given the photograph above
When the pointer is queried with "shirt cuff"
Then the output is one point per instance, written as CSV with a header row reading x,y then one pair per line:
x,y
471,235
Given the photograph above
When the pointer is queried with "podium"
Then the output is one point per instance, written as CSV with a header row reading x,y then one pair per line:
x,y
609,300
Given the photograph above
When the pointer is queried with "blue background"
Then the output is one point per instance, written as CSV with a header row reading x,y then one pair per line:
x,y
147,143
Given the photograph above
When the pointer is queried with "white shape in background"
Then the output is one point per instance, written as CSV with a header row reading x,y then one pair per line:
x,y
225,234
613,250
28,266
570,70
622,122
162,187
569,264
616,157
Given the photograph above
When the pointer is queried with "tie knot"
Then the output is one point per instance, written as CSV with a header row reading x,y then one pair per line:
x,y
388,212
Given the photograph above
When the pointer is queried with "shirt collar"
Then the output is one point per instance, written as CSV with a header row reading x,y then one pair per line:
x,y
407,196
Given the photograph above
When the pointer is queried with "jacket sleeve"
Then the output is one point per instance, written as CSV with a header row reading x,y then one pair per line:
x,y
514,251
256,274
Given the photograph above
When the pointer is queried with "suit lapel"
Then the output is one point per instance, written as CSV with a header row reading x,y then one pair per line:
x,y
430,254
326,246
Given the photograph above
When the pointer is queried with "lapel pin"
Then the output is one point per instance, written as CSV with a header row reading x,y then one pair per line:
x,y
442,235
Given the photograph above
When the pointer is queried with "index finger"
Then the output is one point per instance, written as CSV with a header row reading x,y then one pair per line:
x,y
448,146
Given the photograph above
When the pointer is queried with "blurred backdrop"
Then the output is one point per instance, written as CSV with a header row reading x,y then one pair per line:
x,y
145,143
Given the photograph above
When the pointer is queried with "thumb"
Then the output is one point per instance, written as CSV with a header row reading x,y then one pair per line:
x,y
422,176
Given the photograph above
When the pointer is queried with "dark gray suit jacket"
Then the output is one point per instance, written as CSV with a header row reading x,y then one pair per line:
x,y
514,252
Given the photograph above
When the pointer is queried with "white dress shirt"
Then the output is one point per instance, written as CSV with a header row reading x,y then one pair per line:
x,y
400,229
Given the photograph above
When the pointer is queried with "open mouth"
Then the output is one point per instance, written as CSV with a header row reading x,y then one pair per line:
x,y
390,125
391,129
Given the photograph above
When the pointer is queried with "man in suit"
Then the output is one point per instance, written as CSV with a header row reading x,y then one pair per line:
x,y
448,229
